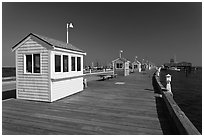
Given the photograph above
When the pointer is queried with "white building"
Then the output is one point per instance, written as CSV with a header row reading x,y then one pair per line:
x,y
47,69
136,66
121,67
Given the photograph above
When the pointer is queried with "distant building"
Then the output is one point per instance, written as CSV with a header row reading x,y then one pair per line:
x,y
172,61
47,69
179,65
184,65
121,66
136,66
144,66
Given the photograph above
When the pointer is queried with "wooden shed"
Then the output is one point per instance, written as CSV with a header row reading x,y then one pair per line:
x,y
136,66
121,66
47,69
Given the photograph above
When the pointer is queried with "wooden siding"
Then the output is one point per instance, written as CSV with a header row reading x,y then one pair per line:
x,y
32,86
120,71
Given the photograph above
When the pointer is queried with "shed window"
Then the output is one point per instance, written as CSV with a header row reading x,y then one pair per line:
x,y
57,63
119,65
65,63
36,61
33,63
73,63
78,63
28,63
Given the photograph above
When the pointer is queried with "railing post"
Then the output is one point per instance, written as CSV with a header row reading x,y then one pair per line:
x,y
158,72
168,82
85,83
90,71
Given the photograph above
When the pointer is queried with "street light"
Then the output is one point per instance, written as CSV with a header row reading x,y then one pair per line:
x,y
69,25
121,51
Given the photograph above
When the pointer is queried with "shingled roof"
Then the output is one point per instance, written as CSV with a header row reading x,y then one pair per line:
x,y
51,42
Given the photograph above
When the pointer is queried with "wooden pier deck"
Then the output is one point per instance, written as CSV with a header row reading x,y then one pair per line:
x,y
119,106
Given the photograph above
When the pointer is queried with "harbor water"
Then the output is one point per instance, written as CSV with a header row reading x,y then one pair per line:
x,y
187,92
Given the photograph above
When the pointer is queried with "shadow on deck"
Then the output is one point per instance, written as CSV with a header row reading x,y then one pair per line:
x,y
9,94
167,125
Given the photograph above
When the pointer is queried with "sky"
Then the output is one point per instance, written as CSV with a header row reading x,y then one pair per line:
x,y
155,32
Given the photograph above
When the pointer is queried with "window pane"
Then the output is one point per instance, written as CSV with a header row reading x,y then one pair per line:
x,y
117,65
29,63
78,63
65,63
57,63
73,63
36,63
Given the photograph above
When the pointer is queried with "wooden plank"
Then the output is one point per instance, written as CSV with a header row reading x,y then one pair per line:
x,y
33,94
99,108
33,98
34,82
86,121
68,127
102,108
64,110
33,77
44,124
33,86
98,116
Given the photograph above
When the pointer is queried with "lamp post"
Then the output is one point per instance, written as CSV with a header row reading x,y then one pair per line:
x,y
135,58
69,25
121,51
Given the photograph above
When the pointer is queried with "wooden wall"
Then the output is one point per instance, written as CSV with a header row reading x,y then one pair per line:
x,y
119,71
127,70
138,66
65,83
32,86
65,87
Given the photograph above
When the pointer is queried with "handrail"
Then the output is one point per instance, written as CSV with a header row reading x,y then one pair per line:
x,y
183,124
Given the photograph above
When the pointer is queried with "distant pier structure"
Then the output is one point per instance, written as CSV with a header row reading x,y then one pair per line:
x,y
187,66
121,66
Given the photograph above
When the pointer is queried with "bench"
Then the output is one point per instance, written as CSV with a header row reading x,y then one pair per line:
x,y
107,76
113,75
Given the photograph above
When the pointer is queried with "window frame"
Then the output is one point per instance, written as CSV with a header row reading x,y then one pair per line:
x,y
59,63
32,63
78,64
64,64
119,66
74,63
25,69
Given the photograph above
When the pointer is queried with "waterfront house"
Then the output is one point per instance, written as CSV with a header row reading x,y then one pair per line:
x,y
47,69
136,65
121,66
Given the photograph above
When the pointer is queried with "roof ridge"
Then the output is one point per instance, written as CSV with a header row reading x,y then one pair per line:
x,y
57,43
51,42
